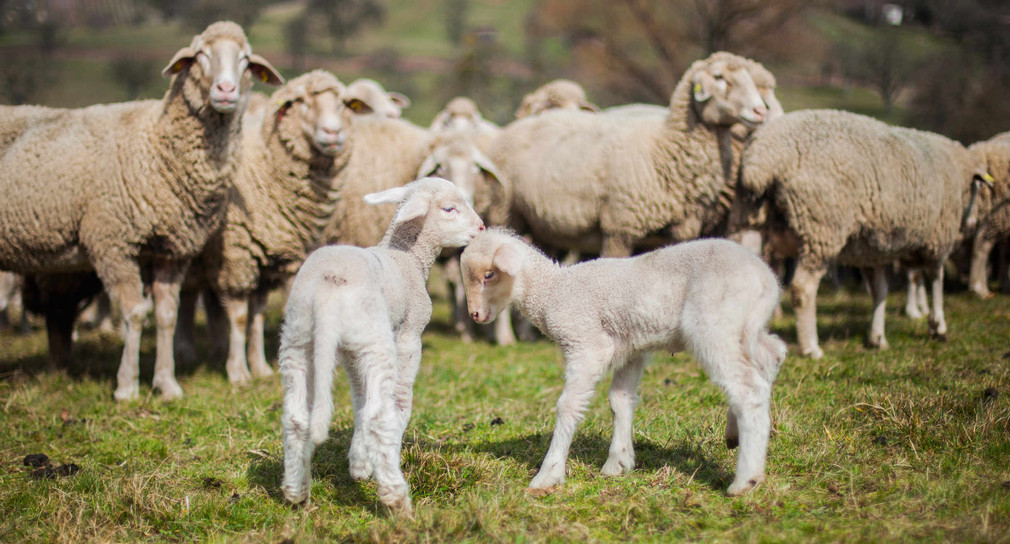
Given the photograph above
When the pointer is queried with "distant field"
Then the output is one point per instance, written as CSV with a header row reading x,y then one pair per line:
x,y
905,445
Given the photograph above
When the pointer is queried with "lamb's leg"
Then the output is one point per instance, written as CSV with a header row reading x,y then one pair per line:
x,y
237,308
383,438
749,400
185,328
457,297
298,448
360,463
803,290
623,395
123,284
878,287
732,431
408,349
257,351
582,372
978,275
503,333
937,323
167,281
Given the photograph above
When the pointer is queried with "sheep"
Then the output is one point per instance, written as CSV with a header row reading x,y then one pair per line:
x,y
367,309
605,183
457,157
711,297
855,191
993,210
371,98
461,114
557,94
283,195
10,297
138,189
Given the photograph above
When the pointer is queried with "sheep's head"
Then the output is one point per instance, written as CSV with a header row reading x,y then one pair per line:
x,y
563,94
366,96
991,181
315,101
436,207
458,160
461,113
220,60
724,92
489,267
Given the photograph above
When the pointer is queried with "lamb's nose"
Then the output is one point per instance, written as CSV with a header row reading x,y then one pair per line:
x,y
475,315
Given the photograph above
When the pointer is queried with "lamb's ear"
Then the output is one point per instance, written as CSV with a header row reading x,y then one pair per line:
x,y
183,58
399,99
389,196
264,71
415,203
507,259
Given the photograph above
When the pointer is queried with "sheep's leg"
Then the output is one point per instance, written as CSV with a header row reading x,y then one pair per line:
x,y
257,350
360,466
749,401
978,275
217,323
732,431
185,328
237,308
803,291
298,446
914,299
60,318
503,333
623,394
457,298
878,287
167,281
103,313
408,363
582,372
937,323
127,290
383,430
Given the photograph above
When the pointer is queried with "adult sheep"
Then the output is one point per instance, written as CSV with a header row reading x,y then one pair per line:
x,y
605,183
136,190
855,191
993,211
372,98
283,195
558,94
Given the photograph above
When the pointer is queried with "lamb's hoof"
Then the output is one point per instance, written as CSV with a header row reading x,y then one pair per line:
x,y
814,353
914,314
741,487
297,497
401,507
360,470
544,481
617,467
938,336
127,392
169,388
732,442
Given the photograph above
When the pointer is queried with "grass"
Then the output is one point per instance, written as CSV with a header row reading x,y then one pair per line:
x,y
908,444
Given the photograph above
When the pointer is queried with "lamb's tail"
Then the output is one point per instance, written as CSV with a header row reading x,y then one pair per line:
x,y
326,338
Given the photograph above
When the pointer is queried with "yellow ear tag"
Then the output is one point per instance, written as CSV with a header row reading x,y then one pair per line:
x,y
355,106
988,178
697,87
177,67
264,76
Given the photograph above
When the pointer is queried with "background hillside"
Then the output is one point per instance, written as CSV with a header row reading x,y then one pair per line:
x,y
942,67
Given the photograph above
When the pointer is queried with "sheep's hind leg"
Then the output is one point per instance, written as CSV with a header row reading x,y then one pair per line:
x,y
383,438
803,291
167,280
583,372
360,464
237,309
254,336
124,285
623,392
937,323
749,400
298,446
878,287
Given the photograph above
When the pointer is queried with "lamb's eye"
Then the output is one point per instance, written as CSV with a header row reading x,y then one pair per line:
x,y
489,274
449,209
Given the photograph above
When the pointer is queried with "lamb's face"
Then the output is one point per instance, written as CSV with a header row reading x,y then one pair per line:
x,y
725,94
221,60
487,280
451,217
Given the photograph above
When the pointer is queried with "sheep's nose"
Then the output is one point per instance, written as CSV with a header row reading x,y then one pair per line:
x,y
481,227
226,86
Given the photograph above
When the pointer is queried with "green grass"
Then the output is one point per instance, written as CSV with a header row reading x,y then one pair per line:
x,y
909,444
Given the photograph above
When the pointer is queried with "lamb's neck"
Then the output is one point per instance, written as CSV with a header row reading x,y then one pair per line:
x,y
535,287
411,238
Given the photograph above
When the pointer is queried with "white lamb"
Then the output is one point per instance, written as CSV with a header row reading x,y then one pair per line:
x,y
367,309
712,297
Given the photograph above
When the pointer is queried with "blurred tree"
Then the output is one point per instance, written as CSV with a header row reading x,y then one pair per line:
x,y
455,19
344,18
296,36
882,62
197,14
639,48
133,74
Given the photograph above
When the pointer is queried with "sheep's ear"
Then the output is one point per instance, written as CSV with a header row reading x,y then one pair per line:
x,y
182,59
428,167
589,106
399,99
358,106
507,259
485,164
264,71
702,87
389,196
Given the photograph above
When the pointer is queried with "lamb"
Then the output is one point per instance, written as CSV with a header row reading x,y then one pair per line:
x,y
712,297
139,186
557,94
606,183
373,99
367,309
283,195
855,191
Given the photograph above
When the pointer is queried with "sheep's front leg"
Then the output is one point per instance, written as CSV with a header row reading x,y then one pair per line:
x,y
167,281
237,308
129,295
582,372
803,291
878,287
623,395
937,323
256,350
749,403
978,275
916,306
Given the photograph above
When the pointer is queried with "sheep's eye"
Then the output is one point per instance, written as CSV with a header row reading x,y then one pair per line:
x,y
449,209
718,77
489,274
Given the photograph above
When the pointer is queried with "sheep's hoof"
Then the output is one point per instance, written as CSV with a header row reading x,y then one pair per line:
x,y
878,343
983,294
401,507
169,389
239,377
127,392
617,467
741,487
262,370
814,353
360,470
732,442
297,497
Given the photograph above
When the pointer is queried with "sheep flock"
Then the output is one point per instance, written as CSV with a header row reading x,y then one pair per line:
x,y
223,194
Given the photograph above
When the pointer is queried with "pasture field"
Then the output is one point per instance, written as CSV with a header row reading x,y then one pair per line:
x,y
906,445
